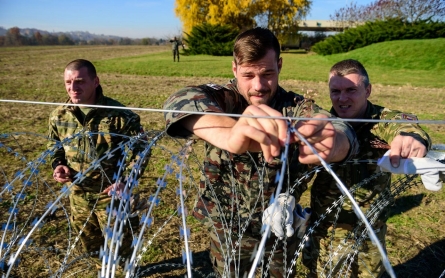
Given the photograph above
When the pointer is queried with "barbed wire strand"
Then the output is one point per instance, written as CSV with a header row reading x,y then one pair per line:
x,y
267,231
224,114
356,207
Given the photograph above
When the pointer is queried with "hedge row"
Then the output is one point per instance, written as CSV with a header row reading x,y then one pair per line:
x,y
379,31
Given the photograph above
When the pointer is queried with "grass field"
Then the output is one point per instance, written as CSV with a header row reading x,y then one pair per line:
x,y
406,75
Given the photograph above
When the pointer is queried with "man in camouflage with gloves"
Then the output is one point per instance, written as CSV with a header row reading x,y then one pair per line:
x,y
242,162
95,133
328,253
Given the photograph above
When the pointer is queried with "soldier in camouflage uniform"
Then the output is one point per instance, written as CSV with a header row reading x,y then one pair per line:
x,y
241,161
102,130
349,91
175,48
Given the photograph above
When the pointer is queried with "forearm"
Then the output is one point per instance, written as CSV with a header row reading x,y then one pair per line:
x,y
342,150
210,128
346,143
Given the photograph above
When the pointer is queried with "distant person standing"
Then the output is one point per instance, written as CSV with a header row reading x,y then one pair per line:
x,y
175,48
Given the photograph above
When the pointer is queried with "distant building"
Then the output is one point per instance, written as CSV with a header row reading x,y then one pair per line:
x,y
294,40
323,26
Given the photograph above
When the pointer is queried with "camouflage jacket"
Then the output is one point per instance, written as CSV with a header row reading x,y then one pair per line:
x,y
235,189
374,140
175,44
100,131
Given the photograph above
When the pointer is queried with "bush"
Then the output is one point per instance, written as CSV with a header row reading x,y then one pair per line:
x,y
379,31
216,40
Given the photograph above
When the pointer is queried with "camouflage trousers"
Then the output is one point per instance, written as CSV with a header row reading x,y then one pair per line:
x,y
89,216
175,54
233,257
340,255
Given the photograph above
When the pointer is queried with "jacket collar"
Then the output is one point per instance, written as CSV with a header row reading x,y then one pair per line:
x,y
99,101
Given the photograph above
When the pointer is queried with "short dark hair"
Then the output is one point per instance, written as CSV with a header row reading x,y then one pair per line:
x,y
351,66
253,44
82,63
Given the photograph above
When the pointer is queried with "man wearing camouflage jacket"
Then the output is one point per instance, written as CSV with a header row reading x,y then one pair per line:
x,y
350,89
241,161
95,132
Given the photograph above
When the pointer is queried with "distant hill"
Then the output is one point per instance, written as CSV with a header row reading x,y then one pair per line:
x,y
75,35
27,37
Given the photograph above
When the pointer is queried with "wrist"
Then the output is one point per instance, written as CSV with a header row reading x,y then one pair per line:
x,y
346,133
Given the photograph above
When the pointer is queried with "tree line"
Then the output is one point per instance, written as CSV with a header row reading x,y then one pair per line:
x,y
282,16
13,37
210,27
379,31
408,11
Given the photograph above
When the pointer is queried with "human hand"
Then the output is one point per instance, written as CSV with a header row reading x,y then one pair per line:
x,y
330,144
280,213
62,174
403,146
258,134
117,188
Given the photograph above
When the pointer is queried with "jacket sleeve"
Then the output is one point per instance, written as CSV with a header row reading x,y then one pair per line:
x,y
189,99
58,154
388,131
137,155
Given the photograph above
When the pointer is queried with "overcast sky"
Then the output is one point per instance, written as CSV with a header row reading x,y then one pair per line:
x,y
125,18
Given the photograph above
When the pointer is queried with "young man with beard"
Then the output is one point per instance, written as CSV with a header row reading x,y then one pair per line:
x,y
242,162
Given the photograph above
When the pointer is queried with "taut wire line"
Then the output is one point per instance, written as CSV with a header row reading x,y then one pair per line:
x,y
223,114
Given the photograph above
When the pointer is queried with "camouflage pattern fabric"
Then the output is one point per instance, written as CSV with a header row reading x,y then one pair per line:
x,y
235,189
89,215
374,140
100,131
175,54
175,48
175,44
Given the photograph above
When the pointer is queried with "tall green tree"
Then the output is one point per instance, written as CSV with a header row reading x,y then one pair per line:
x,y
281,16
211,39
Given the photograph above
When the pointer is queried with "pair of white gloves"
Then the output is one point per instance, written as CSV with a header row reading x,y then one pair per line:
x,y
284,217
427,168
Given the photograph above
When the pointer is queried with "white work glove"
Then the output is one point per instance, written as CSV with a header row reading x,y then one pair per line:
x,y
301,219
280,214
427,168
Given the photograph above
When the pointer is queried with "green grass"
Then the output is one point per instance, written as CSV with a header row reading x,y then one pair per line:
x,y
161,64
409,62
143,77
